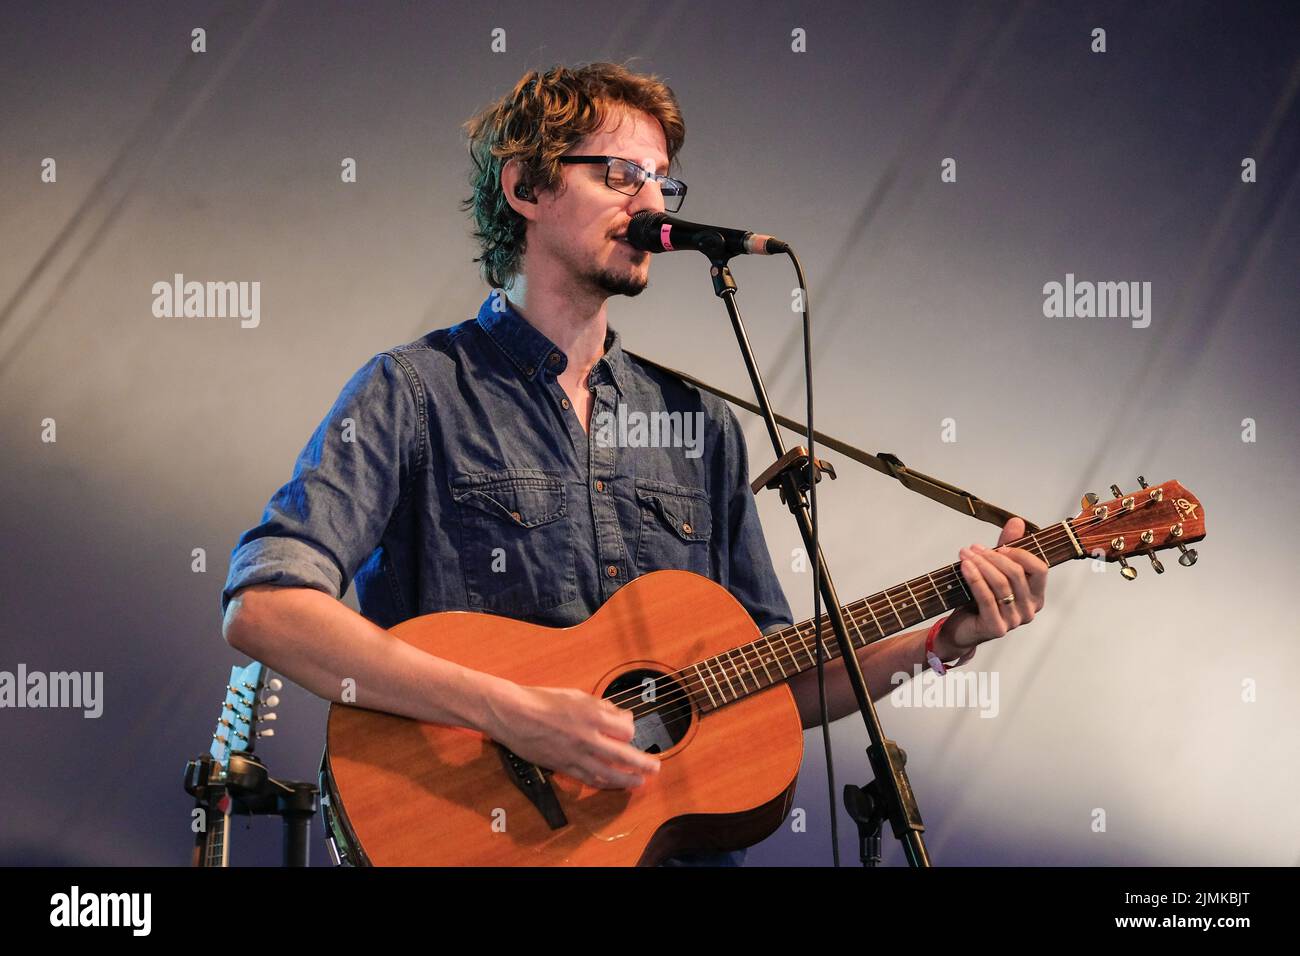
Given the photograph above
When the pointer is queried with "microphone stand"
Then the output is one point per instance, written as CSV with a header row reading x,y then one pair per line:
x,y
889,795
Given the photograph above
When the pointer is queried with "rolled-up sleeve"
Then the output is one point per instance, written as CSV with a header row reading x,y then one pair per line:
x,y
321,525
751,577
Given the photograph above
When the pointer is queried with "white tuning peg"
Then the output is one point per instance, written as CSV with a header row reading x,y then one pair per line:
x,y
270,716
271,701
274,683
266,733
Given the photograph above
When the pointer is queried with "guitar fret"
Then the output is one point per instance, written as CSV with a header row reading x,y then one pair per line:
x,y
828,647
725,660
859,639
936,591
876,620
708,663
894,609
744,653
794,659
776,656
740,673
856,637
705,684
812,659
920,611
721,662
762,661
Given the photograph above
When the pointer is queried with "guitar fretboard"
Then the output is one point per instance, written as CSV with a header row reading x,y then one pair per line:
x,y
218,825
726,678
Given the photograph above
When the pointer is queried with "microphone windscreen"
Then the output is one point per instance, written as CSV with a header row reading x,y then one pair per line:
x,y
643,231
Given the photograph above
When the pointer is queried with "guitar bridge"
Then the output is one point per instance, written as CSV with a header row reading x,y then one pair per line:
x,y
532,780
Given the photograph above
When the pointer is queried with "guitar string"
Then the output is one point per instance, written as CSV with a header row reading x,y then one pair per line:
x,y
668,707
723,662
732,673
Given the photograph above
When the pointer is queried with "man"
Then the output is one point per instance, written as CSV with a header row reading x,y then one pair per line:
x,y
461,471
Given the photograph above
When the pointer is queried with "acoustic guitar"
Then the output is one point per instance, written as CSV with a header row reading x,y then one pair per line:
x,y
207,779
709,697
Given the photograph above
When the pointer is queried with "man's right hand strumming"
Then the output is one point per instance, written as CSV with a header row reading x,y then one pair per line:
x,y
570,731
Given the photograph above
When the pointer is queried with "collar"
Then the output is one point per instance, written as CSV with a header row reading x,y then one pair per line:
x,y
531,352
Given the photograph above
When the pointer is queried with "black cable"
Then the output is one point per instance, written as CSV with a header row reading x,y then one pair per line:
x,y
816,558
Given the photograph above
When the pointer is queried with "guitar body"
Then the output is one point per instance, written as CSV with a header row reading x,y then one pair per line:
x,y
416,794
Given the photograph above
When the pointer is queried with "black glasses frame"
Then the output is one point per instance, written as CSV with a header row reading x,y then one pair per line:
x,y
671,187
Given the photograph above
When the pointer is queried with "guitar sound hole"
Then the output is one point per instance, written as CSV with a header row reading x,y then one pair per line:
x,y
661,710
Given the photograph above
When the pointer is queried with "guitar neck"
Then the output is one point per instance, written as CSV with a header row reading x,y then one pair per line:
x,y
210,848
779,656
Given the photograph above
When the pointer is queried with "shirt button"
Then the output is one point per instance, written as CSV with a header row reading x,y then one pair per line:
x,y
686,527
564,402
553,359
600,485
530,371
612,571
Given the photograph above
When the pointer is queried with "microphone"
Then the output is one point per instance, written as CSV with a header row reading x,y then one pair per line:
x,y
659,232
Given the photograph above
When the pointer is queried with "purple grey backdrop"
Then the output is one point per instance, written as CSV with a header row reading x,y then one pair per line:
x,y
1169,703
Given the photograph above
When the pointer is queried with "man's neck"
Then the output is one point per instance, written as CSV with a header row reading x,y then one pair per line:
x,y
576,324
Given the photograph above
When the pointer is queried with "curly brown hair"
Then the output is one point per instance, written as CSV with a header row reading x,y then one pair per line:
x,y
536,123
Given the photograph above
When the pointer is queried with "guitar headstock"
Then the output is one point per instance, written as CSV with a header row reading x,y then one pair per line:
x,y
241,713
1153,518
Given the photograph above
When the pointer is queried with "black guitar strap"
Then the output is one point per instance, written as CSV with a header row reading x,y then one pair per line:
x,y
884,462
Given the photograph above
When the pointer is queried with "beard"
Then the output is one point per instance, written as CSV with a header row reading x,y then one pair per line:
x,y
621,282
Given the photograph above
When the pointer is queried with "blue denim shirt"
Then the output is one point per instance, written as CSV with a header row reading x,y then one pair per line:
x,y
452,474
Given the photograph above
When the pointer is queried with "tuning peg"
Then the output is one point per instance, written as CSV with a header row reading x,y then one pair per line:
x,y
1126,570
1189,556
1114,490
1091,498
1142,481
270,716
1155,562
271,701
274,683
266,733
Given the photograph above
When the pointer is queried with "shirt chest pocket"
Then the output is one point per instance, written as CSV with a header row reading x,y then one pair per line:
x,y
676,526
516,541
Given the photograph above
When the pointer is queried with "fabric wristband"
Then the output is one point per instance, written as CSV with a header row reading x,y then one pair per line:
x,y
933,659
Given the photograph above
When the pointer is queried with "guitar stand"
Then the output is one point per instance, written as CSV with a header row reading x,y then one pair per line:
x,y
892,795
255,792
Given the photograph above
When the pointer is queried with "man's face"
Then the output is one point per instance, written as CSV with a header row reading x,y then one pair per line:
x,y
575,229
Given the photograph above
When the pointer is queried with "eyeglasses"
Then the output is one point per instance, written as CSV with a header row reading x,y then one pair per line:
x,y
625,176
